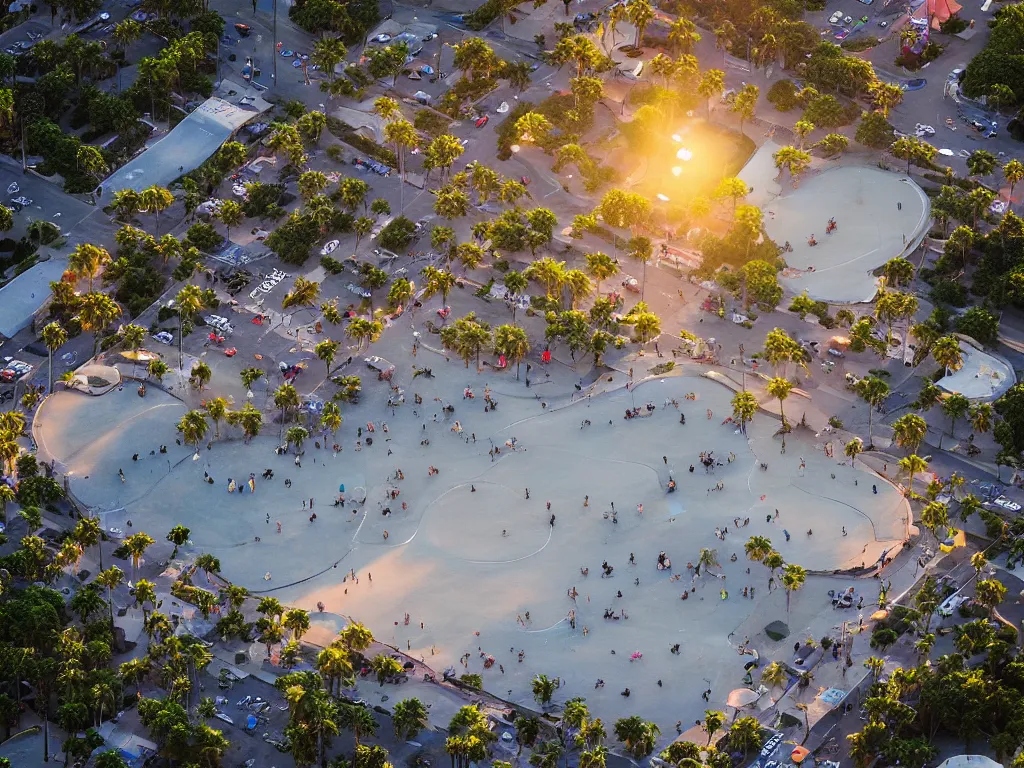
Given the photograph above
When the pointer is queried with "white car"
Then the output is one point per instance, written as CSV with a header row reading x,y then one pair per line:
x,y
835,18
1004,503
951,604
924,130
836,352
328,248
164,337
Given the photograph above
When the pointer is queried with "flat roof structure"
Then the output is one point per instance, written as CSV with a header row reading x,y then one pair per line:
x,y
25,294
188,144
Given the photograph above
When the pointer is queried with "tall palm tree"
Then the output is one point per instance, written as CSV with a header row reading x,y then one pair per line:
x,y
780,388
853,449
96,312
512,342
946,352
54,337
87,261
909,430
111,578
409,717
156,199
872,390
193,427
136,545
793,578
913,465
402,135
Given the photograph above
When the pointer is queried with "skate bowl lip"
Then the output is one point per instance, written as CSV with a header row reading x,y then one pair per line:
x,y
840,268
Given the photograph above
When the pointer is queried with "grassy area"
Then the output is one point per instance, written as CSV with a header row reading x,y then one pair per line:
x,y
716,152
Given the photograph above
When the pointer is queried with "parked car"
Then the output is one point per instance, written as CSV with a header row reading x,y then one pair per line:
x,y
482,121
329,247
951,604
15,370
1004,503
164,337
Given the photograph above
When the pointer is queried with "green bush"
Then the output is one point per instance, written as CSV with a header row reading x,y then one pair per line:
x,y
431,123
333,266
949,292
203,236
782,95
397,235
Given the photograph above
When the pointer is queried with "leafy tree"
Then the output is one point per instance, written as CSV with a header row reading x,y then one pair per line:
x,y
979,324
409,718
874,131
745,103
780,388
832,144
981,162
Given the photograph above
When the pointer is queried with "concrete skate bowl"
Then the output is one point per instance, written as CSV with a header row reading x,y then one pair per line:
x,y
91,438
879,214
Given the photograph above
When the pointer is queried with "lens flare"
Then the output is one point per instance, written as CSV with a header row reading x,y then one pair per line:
x,y
684,154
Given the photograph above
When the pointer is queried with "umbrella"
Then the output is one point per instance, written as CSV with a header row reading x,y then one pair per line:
x,y
741,697
799,754
879,615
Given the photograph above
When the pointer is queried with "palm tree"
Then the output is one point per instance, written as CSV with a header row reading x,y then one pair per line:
x,y
909,430
713,722
512,342
357,719
947,354
402,135
188,302
543,689
1013,172
297,622
355,637
303,295
853,449
547,272
600,266
217,408
286,397
193,428
111,578
326,350
912,465
385,667
437,281
137,544
156,199
330,417
638,735
640,14
935,516
873,391
96,312
774,675
745,734
334,665
990,593
706,559
54,337
780,388
981,417
409,717
793,578
744,406
87,261
200,375
363,331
